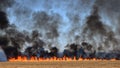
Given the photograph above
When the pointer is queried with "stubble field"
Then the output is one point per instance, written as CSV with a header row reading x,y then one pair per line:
x,y
62,64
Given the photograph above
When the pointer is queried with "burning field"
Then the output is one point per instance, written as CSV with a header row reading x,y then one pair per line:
x,y
65,34
17,45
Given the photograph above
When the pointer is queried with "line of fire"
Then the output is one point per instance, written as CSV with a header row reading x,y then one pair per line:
x,y
74,53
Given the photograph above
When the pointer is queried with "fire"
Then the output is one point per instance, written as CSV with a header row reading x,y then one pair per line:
x,y
34,59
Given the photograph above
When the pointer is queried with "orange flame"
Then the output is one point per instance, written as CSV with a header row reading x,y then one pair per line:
x,y
34,59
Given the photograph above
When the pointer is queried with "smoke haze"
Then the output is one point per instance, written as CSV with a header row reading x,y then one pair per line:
x,y
55,24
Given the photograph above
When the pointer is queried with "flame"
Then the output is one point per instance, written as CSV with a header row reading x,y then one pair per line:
x,y
32,59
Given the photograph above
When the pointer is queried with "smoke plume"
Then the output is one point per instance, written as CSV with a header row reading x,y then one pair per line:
x,y
85,26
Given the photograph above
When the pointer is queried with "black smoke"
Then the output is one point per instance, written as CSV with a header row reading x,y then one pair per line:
x,y
4,23
3,41
98,33
94,25
110,9
43,37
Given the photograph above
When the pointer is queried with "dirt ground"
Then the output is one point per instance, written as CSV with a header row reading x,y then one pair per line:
x,y
62,64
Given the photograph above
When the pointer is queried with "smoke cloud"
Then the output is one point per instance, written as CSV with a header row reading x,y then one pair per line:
x,y
110,11
44,25
4,23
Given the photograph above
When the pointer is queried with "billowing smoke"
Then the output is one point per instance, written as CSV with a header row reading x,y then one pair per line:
x,y
44,28
109,11
47,25
95,30
55,26
4,22
94,25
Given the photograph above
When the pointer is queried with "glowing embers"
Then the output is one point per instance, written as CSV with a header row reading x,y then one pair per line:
x,y
35,59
